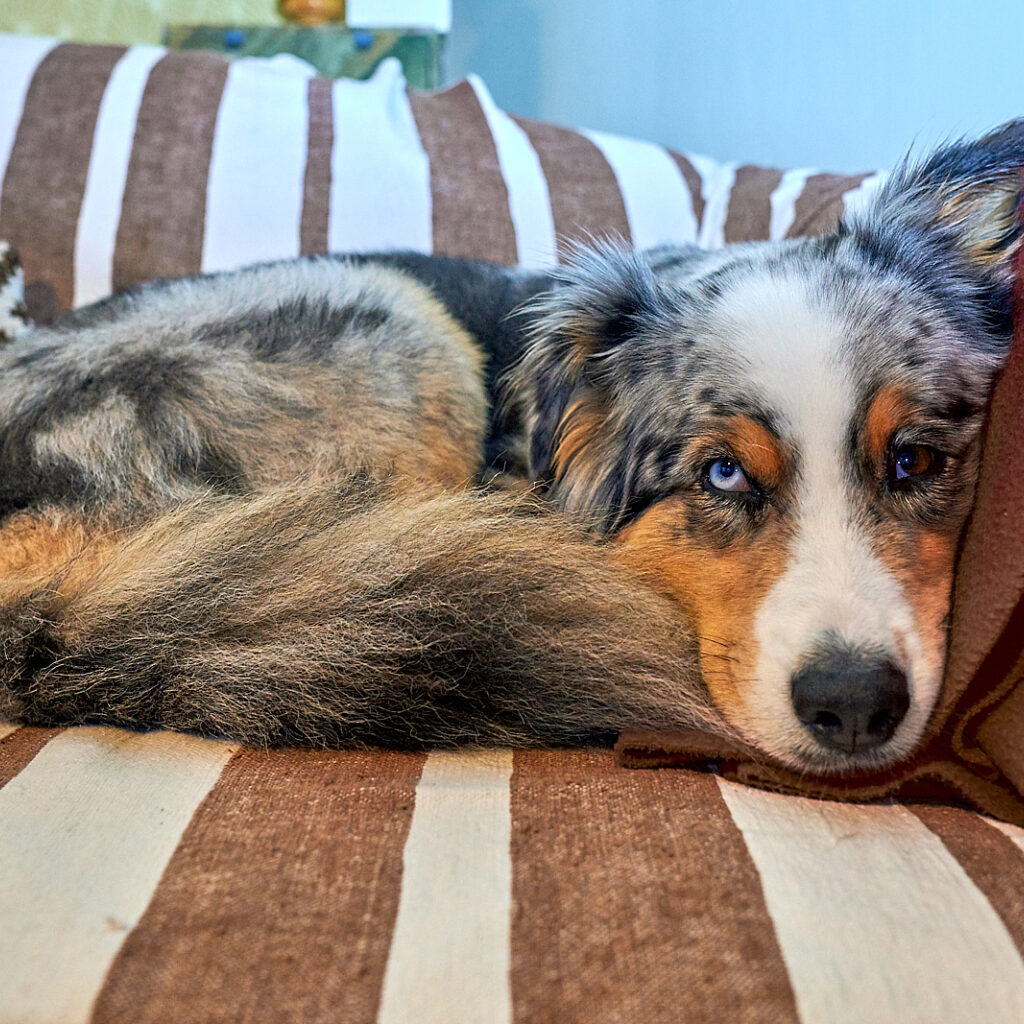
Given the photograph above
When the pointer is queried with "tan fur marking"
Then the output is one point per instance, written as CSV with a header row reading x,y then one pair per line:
x,y
28,541
986,218
580,426
924,569
435,439
580,347
890,410
759,452
921,561
435,459
719,588
37,549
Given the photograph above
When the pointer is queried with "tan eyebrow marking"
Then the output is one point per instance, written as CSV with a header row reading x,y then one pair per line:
x,y
890,410
761,453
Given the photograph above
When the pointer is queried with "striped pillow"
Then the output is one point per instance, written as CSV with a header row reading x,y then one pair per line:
x,y
122,165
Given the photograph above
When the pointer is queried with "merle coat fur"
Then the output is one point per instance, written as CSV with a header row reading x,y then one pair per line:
x,y
378,499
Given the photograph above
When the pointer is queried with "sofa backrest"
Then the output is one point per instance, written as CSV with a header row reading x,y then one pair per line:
x,y
120,165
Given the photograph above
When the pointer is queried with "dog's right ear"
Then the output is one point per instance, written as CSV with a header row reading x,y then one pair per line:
x,y
960,205
565,385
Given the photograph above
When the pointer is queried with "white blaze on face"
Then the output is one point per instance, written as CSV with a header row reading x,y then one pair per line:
x,y
833,584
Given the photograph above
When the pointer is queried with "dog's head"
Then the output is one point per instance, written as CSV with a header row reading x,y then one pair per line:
x,y
785,437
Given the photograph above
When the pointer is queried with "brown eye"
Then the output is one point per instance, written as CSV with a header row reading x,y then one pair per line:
x,y
913,460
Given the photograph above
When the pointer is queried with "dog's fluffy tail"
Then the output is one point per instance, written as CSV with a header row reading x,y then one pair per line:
x,y
351,614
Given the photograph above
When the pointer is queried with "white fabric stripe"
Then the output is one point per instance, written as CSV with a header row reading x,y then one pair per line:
x,y
450,953
718,180
12,295
22,55
258,164
1012,832
380,175
876,920
6,729
859,198
108,169
86,830
658,203
783,201
528,197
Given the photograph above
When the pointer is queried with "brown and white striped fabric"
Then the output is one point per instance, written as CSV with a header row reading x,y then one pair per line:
x,y
121,165
166,878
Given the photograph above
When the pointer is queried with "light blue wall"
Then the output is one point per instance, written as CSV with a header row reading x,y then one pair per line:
x,y
840,85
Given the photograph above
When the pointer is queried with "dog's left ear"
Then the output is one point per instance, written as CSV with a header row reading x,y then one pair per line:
x,y
564,387
965,197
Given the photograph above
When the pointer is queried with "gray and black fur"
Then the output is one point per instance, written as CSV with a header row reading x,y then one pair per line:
x,y
250,504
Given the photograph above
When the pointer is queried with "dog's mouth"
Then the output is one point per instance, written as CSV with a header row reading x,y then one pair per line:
x,y
815,758
814,750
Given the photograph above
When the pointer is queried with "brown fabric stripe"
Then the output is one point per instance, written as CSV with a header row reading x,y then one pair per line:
x,y
19,748
45,179
585,196
991,860
694,183
750,210
819,206
635,899
280,901
468,193
164,207
316,189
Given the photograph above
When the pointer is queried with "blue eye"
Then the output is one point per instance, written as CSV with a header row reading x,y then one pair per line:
x,y
727,475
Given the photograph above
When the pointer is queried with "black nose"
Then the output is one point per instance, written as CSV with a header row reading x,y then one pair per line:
x,y
850,700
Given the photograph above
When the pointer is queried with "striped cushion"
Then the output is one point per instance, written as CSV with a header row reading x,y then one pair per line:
x,y
122,165
166,878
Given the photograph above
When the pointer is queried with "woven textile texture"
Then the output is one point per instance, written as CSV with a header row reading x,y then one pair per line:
x,y
160,877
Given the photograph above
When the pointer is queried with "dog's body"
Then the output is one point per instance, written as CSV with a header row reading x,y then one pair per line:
x,y
247,504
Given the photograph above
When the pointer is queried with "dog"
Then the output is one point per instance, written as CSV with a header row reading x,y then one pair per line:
x,y
413,500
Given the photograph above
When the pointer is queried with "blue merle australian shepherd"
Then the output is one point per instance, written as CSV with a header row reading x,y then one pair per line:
x,y
410,500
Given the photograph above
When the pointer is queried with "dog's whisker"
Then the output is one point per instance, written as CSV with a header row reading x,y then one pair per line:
x,y
716,640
